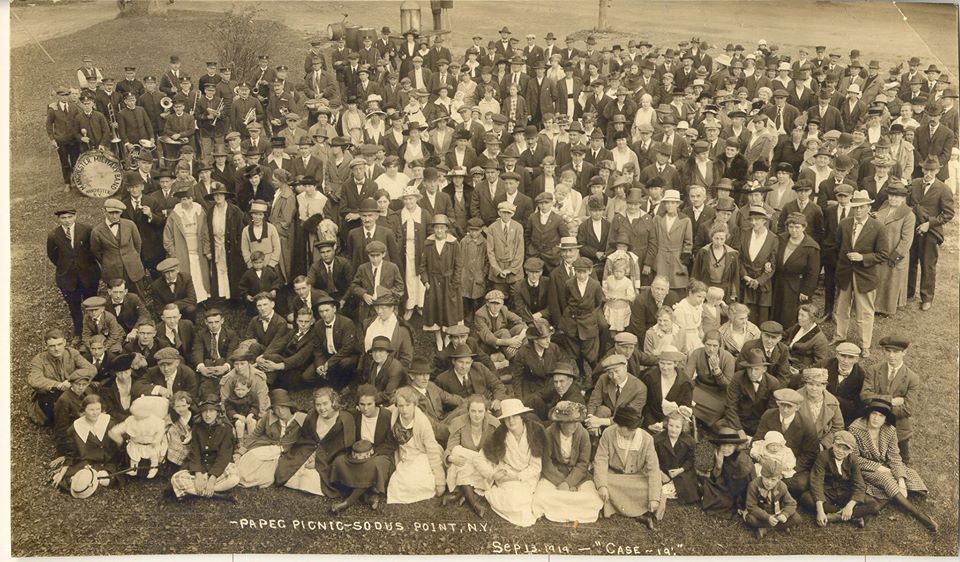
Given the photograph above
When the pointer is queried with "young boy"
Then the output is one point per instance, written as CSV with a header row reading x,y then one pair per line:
x,y
259,278
241,406
714,309
473,281
769,503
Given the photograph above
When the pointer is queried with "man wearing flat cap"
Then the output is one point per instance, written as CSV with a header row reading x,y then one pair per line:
x,y
170,375
529,298
500,331
581,317
375,277
895,382
615,388
116,244
837,491
800,435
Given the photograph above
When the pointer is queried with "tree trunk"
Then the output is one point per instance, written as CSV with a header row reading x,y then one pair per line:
x,y
602,19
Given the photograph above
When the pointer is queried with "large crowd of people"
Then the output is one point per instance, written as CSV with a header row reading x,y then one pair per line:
x,y
615,251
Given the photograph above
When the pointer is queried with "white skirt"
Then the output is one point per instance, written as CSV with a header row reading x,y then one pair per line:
x,y
258,466
196,275
560,506
412,481
465,475
306,480
415,289
514,501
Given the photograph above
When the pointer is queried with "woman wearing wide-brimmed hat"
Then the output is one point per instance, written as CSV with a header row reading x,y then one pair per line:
x,y
886,476
566,491
275,434
225,223
725,487
758,259
511,463
626,470
469,432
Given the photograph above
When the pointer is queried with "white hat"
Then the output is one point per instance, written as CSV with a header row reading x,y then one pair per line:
x,y
512,407
671,195
860,198
853,89
84,483
774,437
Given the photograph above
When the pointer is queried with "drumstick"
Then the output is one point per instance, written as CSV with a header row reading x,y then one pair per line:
x,y
693,406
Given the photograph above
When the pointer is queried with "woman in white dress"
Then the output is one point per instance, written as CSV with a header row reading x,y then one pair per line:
x,y
419,474
310,203
413,225
511,463
468,434
566,491
185,237
392,180
569,201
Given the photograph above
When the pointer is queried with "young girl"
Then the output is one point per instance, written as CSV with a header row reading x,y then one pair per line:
x,y
622,243
773,446
688,315
145,431
242,406
440,271
713,309
676,453
618,293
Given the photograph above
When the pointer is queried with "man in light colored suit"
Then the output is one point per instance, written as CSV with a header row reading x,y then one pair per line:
x,y
505,248
615,388
862,245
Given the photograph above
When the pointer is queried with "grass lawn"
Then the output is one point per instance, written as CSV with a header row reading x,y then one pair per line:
x,y
136,521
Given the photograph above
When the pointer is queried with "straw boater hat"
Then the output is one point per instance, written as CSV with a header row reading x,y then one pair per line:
x,y
512,407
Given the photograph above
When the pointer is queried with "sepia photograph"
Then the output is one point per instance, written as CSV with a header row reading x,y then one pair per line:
x,y
479,277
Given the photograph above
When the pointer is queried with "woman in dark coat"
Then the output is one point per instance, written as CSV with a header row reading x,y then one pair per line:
x,y
253,186
225,223
87,443
366,470
757,270
725,488
798,267
439,269
327,432
676,451
717,264
812,347
669,368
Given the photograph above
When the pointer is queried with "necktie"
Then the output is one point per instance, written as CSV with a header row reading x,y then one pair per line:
x,y
465,381
857,227
63,107
331,348
173,287
779,121
375,270
843,213
616,397
215,352
69,235
369,235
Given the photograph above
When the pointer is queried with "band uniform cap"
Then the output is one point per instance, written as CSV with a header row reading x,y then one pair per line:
x,y
494,296
612,361
788,395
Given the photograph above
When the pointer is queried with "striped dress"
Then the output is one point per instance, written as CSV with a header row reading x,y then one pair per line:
x,y
886,452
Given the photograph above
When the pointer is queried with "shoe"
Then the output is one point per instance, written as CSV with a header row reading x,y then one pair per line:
x,y
931,525
647,521
152,473
760,533
447,499
337,508
926,306
376,503
860,522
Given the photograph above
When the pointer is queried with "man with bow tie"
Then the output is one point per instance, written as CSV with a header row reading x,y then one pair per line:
x,y
126,307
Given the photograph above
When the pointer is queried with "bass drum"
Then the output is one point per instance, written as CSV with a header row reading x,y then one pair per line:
x,y
353,37
336,30
97,174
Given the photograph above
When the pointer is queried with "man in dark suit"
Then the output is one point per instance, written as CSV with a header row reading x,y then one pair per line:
x,y
147,344
750,394
338,345
149,223
306,163
176,332
125,306
852,109
99,356
302,296
171,375
773,350
594,153
528,298
212,347
829,115
369,231
483,203
662,168
511,194
581,315
837,490
844,380
469,377
782,114
616,388
593,234
565,93
935,139
331,273
933,203
61,130
289,357
461,154
78,275
356,192
862,245
800,435
581,168
173,287
266,326
376,278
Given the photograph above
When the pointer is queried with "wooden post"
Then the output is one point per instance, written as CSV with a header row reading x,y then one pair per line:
x,y
602,19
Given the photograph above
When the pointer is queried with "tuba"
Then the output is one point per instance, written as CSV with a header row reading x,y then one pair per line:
x,y
166,102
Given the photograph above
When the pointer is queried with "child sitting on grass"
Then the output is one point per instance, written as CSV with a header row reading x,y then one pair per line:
x,y
769,503
242,406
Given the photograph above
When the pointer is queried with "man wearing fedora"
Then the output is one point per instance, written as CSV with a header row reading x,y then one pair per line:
x,y
933,203
861,245
892,380
750,394
935,139
460,335
801,436
537,358
468,377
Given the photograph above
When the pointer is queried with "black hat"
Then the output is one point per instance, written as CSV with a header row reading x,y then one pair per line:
x,y
727,436
627,417
122,362
882,406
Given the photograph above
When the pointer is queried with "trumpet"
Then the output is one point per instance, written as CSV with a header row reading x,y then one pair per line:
x,y
218,112
113,123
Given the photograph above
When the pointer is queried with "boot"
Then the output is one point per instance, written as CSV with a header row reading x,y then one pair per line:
x,y
350,501
908,506
473,500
